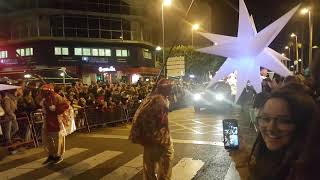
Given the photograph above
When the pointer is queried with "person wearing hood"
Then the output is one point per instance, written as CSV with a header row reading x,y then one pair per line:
x,y
150,128
52,132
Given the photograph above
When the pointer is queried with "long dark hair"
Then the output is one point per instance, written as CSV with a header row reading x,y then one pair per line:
x,y
302,108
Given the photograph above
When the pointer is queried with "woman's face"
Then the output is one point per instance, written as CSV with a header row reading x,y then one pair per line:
x,y
275,124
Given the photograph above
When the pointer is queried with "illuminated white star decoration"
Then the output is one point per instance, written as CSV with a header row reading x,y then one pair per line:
x,y
249,51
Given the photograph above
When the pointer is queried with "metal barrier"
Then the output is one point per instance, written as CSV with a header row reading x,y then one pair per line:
x,y
81,119
85,118
96,117
25,130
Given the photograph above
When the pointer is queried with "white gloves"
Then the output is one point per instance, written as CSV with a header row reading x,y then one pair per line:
x,y
52,108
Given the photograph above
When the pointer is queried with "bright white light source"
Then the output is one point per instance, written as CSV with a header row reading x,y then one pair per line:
x,y
62,74
27,76
219,97
158,48
293,35
135,78
197,97
195,27
192,76
167,2
304,11
147,79
300,60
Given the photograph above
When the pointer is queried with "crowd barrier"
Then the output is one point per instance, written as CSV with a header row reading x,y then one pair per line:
x,y
25,132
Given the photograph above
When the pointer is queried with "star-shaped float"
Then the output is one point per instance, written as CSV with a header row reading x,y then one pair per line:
x,y
249,51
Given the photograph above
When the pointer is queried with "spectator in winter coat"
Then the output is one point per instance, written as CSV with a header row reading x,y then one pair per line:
x,y
9,104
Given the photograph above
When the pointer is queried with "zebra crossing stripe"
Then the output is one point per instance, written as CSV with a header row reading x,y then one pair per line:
x,y
26,168
126,171
82,166
18,156
186,169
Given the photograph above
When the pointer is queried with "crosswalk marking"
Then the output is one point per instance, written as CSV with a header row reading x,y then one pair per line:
x,y
82,166
27,153
126,171
186,169
181,141
25,168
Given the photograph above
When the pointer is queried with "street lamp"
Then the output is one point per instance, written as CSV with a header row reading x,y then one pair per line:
x,y
305,11
293,35
289,54
166,3
158,48
195,27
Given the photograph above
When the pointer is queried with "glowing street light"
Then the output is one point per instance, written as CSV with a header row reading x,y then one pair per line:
x,y
167,2
195,27
289,54
293,35
308,11
158,48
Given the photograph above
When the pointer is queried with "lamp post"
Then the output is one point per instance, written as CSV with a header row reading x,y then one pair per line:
x,y
303,12
297,51
289,53
158,48
164,3
195,27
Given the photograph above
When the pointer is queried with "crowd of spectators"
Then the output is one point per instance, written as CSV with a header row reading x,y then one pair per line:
x,y
104,97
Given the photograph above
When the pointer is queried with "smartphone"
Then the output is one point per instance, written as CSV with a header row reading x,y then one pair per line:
x,y
230,134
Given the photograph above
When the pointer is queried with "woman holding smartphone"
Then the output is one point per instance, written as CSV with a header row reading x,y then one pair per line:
x,y
282,123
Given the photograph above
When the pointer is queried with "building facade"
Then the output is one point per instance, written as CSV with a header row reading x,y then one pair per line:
x,y
94,39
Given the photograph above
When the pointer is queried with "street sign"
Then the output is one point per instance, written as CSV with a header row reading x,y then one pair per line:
x,y
176,66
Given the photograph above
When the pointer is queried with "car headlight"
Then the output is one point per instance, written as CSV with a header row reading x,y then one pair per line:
x,y
197,97
219,97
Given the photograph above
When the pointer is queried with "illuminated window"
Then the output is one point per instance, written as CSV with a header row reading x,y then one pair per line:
x,y
108,52
61,51
147,54
65,51
92,52
95,52
57,51
24,52
86,51
122,53
3,54
101,52
78,51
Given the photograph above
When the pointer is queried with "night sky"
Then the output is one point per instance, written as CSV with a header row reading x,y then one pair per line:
x,y
264,13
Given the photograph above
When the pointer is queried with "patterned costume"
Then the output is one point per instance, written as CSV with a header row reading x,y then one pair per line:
x,y
150,128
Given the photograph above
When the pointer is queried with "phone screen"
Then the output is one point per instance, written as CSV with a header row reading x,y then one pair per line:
x,y
230,134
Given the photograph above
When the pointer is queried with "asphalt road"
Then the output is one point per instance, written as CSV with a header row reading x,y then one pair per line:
x,y
105,153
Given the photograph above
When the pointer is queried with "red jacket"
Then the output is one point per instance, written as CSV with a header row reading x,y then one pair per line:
x,y
52,123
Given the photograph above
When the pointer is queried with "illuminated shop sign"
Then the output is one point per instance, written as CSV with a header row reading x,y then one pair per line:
x,y
108,69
